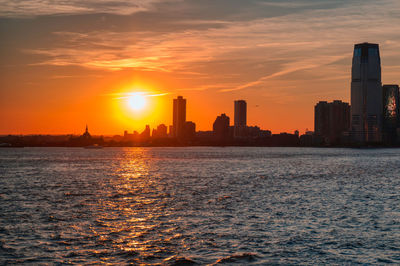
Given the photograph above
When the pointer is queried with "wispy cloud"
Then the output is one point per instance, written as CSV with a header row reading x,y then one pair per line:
x,y
21,8
264,49
281,55
289,68
124,95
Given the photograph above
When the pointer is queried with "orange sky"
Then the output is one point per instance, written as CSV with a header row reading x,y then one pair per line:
x,y
62,64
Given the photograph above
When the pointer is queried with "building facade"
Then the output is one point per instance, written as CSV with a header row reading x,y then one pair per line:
x,y
366,94
179,117
221,127
339,120
160,132
391,110
321,118
331,120
240,119
189,130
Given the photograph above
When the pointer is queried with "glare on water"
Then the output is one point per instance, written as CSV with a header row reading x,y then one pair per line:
x,y
199,205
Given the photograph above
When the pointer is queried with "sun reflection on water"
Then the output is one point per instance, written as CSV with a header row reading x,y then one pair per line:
x,y
134,210
176,206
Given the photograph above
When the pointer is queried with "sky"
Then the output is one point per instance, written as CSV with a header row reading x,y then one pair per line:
x,y
65,64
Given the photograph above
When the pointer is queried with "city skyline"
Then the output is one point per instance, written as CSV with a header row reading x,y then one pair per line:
x,y
373,118
331,120
68,64
199,132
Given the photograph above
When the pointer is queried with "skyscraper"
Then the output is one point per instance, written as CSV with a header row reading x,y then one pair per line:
x,y
189,130
321,119
240,123
366,94
221,127
391,112
179,117
339,120
331,120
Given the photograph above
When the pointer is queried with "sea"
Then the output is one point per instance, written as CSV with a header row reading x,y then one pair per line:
x,y
199,206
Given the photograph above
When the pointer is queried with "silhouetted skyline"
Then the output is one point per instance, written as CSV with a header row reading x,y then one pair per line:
x,y
66,62
374,112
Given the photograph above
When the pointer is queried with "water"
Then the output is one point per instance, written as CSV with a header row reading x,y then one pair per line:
x,y
199,205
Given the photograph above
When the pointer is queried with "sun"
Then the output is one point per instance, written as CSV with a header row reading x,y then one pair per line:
x,y
137,101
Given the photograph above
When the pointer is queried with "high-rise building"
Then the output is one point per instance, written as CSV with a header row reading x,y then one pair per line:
x,y
221,127
189,130
366,94
331,120
240,121
339,120
179,117
321,119
391,111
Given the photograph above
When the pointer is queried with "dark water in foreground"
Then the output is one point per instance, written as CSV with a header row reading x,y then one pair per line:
x,y
205,205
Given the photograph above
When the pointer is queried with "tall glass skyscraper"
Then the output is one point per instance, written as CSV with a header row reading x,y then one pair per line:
x,y
366,94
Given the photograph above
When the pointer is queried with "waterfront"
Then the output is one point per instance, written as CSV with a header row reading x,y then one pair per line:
x,y
203,204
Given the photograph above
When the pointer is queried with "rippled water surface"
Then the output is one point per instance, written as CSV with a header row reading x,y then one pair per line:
x,y
199,205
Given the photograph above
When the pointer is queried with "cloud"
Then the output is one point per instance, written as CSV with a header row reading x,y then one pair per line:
x,y
20,8
238,55
288,68
124,95
189,9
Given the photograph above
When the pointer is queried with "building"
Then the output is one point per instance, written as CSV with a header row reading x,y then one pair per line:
x,y
179,117
256,132
321,119
170,131
85,139
86,135
391,110
240,120
339,120
221,127
366,94
331,120
160,131
189,132
130,136
285,140
145,135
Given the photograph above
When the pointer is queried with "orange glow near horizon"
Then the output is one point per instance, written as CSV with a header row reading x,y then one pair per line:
x,y
138,105
57,75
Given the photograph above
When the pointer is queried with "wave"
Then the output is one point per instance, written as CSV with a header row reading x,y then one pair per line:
x,y
179,261
238,258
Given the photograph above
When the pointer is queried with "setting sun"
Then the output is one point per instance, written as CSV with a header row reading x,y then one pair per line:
x,y
135,106
137,101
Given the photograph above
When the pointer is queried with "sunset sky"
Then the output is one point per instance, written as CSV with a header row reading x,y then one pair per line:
x,y
65,64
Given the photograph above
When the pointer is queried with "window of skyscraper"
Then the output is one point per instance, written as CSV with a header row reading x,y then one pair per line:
x,y
357,52
372,51
391,105
356,119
